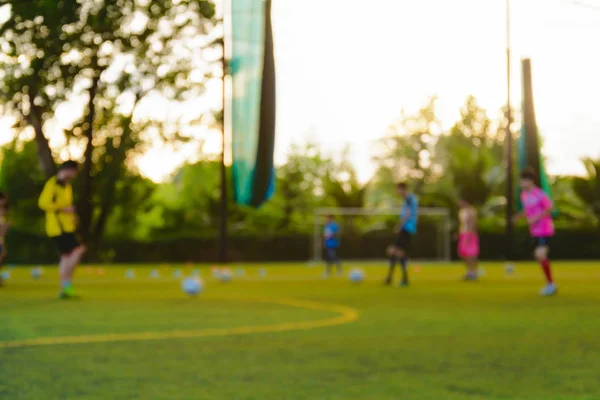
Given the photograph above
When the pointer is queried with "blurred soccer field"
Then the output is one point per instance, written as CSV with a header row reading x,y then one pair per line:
x,y
294,335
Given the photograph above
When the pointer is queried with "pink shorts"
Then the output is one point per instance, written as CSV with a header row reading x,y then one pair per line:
x,y
468,245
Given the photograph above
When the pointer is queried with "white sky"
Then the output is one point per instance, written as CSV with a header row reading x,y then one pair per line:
x,y
347,67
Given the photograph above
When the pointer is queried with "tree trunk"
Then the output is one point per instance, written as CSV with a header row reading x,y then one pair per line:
x,y
86,207
43,146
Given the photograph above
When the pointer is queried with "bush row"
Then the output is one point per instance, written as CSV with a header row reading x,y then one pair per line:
x,y
24,248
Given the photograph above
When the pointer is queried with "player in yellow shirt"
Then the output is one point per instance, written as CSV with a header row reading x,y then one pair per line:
x,y
56,201
3,230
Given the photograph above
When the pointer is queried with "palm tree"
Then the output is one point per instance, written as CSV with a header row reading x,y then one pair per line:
x,y
588,188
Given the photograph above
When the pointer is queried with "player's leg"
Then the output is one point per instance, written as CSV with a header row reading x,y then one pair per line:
x,y
391,254
75,259
403,257
402,254
328,261
468,249
336,260
541,255
71,253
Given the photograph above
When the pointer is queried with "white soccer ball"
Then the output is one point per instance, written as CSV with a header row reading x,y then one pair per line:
x,y
154,273
36,273
130,274
357,275
262,272
177,273
225,275
5,275
510,268
192,286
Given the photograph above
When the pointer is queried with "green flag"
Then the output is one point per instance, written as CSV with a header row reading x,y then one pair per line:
x,y
253,101
528,145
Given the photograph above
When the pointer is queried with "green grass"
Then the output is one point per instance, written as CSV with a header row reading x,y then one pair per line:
x,y
438,339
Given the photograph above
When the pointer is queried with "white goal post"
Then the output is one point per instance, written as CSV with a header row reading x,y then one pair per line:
x,y
442,241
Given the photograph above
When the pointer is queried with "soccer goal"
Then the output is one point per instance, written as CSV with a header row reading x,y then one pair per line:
x,y
365,233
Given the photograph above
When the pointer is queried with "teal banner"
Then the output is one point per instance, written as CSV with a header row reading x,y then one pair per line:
x,y
528,145
252,69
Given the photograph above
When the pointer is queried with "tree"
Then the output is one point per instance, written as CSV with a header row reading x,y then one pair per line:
x,y
22,179
470,154
405,153
105,61
588,188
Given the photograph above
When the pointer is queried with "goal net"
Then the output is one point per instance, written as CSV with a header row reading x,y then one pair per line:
x,y
365,233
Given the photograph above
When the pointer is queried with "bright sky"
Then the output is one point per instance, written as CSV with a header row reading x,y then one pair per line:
x,y
347,67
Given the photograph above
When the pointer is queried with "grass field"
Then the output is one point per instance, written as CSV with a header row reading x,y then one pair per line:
x,y
293,335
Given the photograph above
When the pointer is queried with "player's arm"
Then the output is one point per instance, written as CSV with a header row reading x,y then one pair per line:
x,y
47,201
472,221
518,216
4,226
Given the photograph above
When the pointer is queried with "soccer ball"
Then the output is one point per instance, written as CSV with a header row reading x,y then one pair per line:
x,y
5,275
130,274
262,272
192,286
177,273
510,268
225,275
36,273
154,273
357,275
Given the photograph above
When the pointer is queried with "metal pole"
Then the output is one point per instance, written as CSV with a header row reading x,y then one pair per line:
x,y
509,147
223,236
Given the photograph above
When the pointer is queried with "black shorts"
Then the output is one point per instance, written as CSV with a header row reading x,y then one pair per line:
x,y
403,240
66,243
541,242
331,254
1,250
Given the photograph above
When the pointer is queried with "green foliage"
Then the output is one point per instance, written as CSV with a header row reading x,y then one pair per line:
x,y
104,62
22,180
588,188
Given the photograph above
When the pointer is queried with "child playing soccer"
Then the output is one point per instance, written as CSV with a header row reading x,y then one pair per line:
x,y
468,239
56,201
405,231
537,208
331,242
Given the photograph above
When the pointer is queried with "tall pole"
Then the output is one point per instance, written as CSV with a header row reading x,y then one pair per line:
x,y
223,212
509,148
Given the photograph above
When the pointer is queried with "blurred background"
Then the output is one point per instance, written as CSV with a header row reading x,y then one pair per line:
x,y
368,93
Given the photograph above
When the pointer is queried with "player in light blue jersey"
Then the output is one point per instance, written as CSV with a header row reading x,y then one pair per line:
x,y
331,243
405,231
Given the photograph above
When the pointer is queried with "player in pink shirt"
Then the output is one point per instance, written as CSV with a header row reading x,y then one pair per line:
x,y
468,239
537,208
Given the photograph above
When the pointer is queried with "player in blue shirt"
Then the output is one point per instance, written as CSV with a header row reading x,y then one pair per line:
x,y
406,229
331,242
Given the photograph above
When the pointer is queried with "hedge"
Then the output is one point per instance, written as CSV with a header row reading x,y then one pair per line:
x,y
24,248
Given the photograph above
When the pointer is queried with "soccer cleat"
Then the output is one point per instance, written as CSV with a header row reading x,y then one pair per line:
x,y
388,281
403,284
549,290
68,293
470,278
